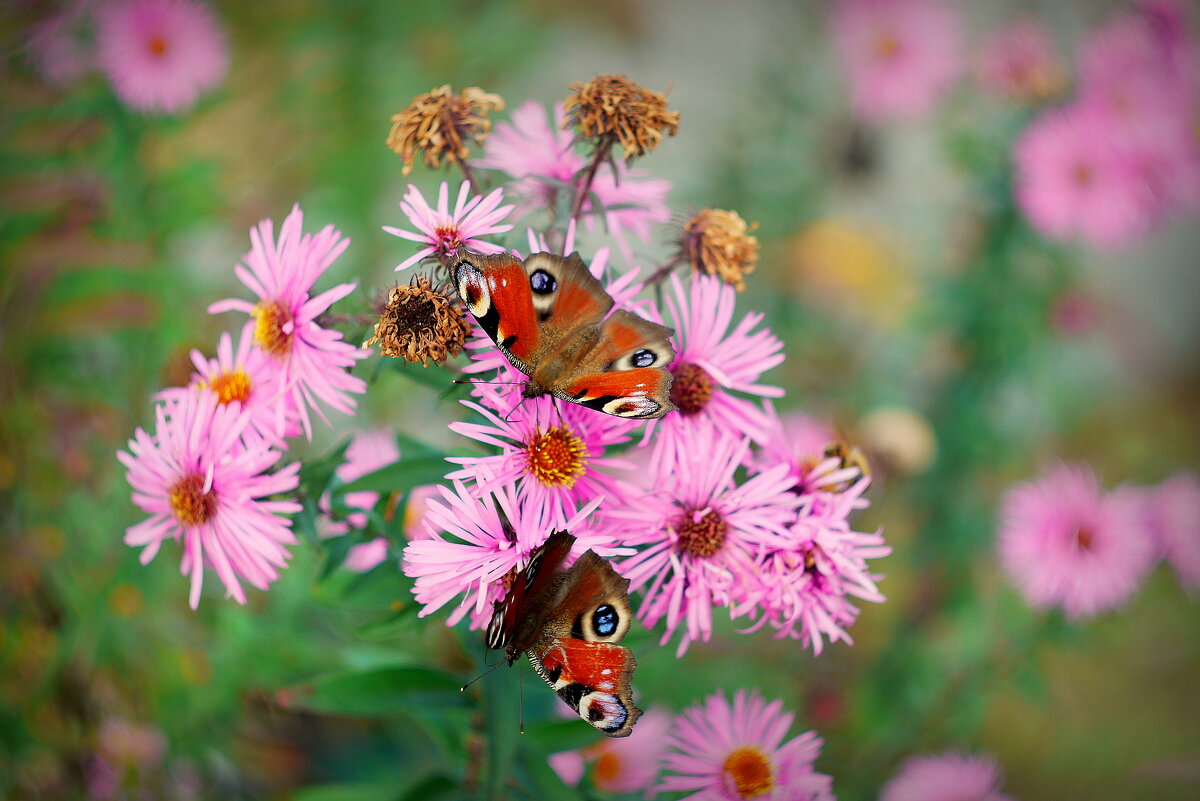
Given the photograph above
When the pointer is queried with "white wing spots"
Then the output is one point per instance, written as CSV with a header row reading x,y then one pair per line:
x,y
632,406
472,289
606,672
603,710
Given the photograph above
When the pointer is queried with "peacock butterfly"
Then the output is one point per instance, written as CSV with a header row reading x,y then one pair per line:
x,y
569,620
551,318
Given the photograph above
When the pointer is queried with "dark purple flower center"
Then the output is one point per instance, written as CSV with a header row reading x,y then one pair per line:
x,y
691,388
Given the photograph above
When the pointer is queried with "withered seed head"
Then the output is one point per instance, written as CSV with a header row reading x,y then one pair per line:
x,y
420,324
719,242
613,105
439,124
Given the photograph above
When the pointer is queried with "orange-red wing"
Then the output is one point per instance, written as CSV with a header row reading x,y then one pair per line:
x,y
516,323
638,393
593,678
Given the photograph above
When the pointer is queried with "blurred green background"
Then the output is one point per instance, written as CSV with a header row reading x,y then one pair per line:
x,y
894,267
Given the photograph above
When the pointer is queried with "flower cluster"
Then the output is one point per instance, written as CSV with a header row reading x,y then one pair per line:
x,y
945,777
205,475
158,55
1122,155
1065,543
715,749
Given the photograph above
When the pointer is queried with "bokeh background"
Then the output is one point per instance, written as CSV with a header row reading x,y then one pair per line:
x,y
921,314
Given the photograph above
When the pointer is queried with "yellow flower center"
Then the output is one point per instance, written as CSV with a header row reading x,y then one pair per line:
x,y
703,537
272,329
557,457
750,771
190,503
232,386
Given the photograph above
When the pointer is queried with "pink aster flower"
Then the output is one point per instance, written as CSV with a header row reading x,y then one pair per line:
x,y
313,363
368,451
1020,62
728,752
945,777
1064,543
1075,179
701,532
441,231
552,452
902,55
248,378
199,481
160,55
475,541
1174,510
541,156
806,587
628,765
711,364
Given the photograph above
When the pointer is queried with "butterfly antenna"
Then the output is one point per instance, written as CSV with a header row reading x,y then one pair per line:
x,y
513,410
463,688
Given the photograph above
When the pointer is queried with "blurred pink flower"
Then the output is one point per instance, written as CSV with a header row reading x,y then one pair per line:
x,y
628,765
552,452
542,158
701,533
474,542
200,482
160,55
1140,72
313,362
712,363
365,556
806,586
946,777
367,452
902,55
1064,543
799,441
245,377
723,752
441,231
58,49
1174,510
1075,179
1020,62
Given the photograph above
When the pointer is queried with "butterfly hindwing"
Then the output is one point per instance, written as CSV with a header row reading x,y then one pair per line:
x,y
625,374
593,678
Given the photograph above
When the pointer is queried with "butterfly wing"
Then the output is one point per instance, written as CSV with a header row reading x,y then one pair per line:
x,y
578,655
496,291
517,620
625,372
594,679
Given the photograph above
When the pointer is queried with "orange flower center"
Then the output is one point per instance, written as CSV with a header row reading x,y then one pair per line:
x,y
703,537
1084,538
272,327
607,769
557,457
691,388
190,503
886,46
232,386
750,771
157,46
1082,174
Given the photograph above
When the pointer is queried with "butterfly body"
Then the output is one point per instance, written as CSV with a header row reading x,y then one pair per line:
x,y
553,320
569,621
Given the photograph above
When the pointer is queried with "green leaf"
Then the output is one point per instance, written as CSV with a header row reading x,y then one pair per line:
x,y
401,476
381,691
548,736
315,474
435,786
348,792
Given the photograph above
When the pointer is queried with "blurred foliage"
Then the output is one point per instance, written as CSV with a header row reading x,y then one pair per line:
x,y
118,229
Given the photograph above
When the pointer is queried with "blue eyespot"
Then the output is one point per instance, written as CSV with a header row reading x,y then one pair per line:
x,y
643,358
542,282
604,620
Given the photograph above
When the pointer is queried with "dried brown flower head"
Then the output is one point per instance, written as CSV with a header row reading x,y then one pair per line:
x,y
718,242
439,124
614,106
420,324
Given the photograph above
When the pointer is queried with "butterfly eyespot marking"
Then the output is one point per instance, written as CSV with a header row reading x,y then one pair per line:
x,y
542,282
604,620
632,407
